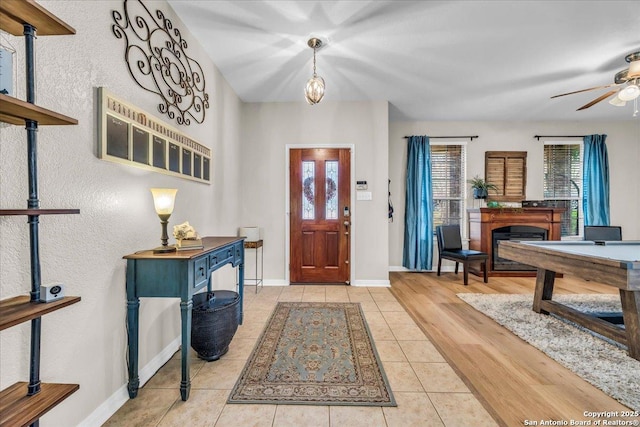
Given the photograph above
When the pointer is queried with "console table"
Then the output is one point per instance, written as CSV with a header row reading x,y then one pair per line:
x,y
176,275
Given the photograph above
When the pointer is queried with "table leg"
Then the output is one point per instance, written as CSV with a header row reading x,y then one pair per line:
x,y
133,310
544,288
631,312
185,312
241,289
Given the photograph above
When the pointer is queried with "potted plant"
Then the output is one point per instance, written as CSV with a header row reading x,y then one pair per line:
x,y
481,187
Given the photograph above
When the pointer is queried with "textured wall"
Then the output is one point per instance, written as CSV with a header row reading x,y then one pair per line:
x,y
623,145
86,342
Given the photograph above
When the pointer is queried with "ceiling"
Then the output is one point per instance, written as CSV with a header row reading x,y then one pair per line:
x,y
432,60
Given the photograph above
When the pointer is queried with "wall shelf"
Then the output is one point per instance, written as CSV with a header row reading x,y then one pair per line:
x,y
16,310
14,13
18,409
9,212
25,402
15,111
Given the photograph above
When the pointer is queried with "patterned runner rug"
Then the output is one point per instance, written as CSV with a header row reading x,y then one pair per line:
x,y
315,354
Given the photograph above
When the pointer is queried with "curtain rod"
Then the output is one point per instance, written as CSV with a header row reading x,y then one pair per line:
x,y
471,137
558,136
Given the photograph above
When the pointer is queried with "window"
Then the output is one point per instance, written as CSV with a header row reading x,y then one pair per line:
x,y
448,183
563,183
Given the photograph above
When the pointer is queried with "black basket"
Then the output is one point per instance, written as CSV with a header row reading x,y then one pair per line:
x,y
214,321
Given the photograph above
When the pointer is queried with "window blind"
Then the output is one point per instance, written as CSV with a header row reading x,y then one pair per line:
x,y
563,182
448,183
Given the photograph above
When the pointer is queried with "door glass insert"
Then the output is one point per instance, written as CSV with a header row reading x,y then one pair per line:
x,y
308,190
331,170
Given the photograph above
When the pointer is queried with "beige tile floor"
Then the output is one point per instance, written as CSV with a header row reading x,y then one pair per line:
x,y
427,390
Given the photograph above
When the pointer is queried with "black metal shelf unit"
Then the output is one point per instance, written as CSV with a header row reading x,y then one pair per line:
x,y
24,403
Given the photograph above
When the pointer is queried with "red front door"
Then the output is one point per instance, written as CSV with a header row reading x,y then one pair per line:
x,y
320,215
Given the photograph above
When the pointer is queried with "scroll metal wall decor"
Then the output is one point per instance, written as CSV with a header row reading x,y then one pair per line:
x,y
128,135
157,60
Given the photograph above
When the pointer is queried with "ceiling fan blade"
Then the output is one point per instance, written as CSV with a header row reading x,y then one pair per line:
x,y
598,99
584,90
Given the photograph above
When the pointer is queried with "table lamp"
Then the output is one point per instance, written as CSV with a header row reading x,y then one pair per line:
x,y
163,200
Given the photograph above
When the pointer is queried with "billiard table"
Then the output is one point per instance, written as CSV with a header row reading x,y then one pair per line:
x,y
613,263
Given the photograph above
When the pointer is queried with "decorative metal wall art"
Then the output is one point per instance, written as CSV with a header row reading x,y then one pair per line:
x,y
130,136
157,60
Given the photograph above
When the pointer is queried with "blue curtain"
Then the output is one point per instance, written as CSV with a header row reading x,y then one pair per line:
x,y
595,181
418,216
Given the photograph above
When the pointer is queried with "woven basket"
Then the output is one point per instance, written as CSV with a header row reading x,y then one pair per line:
x,y
215,319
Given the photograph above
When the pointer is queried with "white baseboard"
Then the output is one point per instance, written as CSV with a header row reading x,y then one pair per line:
x,y
380,283
445,268
109,407
252,282
372,283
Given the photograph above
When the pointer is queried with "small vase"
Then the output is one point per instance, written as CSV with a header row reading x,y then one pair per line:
x,y
480,193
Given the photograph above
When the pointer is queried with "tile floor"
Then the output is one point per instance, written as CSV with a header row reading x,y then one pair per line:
x,y
427,390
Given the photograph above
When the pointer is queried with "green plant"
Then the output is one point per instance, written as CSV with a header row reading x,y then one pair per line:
x,y
481,187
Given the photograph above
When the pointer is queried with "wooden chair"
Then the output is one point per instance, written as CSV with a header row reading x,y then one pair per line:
x,y
602,232
450,247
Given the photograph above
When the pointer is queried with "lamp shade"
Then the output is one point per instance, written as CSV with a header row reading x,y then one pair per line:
x,y
629,93
164,199
617,102
314,90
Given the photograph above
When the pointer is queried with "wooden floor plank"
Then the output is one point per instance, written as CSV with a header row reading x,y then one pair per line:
x,y
513,380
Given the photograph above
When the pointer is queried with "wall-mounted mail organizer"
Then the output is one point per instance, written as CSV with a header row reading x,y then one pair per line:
x,y
129,135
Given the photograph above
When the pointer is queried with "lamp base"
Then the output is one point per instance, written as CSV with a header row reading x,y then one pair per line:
x,y
164,249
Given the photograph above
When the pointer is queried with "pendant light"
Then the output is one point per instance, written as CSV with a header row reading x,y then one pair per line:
x,y
314,90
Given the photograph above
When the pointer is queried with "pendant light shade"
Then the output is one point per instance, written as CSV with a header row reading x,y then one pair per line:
x,y
629,93
314,90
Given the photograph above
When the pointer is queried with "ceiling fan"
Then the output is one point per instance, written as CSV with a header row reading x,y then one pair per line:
x,y
627,83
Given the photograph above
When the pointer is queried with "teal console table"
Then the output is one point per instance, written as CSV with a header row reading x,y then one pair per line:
x,y
176,275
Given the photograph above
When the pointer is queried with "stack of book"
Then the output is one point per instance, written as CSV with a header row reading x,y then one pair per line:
x,y
189,244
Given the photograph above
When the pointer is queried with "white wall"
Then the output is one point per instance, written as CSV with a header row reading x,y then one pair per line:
x,y
269,127
86,343
623,145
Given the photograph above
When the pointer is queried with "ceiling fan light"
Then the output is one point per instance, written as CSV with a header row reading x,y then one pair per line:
x,y
634,69
314,90
629,93
617,102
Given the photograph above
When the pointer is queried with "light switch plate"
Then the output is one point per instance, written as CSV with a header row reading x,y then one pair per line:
x,y
364,195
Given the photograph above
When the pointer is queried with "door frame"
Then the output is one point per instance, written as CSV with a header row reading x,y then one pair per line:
x,y
287,207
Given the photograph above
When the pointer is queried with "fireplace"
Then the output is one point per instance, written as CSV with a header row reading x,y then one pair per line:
x,y
514,232
528,223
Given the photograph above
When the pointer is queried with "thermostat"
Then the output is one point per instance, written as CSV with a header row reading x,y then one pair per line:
x,y
52,292
361,185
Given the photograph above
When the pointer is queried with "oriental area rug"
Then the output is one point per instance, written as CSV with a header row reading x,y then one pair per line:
x,y
602,362
313,353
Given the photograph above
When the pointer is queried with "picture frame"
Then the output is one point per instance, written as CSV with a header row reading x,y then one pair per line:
x,y
128,135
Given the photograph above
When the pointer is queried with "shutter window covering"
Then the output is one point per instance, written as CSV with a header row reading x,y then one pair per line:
x,y
507,170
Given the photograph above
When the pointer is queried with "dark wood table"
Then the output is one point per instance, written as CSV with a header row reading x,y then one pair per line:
x,y
176,275
615,264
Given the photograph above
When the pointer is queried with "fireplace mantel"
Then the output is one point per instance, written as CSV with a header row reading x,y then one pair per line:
x,y
482,222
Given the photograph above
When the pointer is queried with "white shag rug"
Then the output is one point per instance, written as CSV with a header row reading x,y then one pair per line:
x,y
599,361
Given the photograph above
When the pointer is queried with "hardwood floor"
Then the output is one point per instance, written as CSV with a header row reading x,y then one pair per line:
x,y
513,380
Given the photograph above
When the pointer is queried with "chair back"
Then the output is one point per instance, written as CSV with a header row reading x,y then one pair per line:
x,y
448,237
602,232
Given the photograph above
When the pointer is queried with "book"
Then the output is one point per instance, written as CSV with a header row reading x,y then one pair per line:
x,y
189,244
